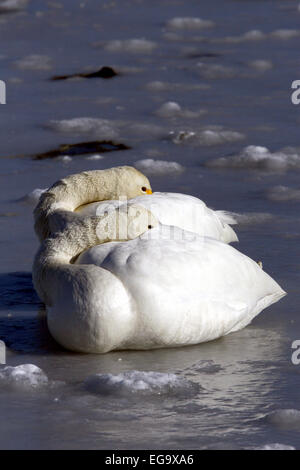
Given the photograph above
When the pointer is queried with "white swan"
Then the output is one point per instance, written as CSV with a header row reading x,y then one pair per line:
x,y
181,210
163,287
84,194
57,204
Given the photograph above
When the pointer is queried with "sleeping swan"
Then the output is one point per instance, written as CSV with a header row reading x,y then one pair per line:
x,y
57,204
84,194
124,280
181,210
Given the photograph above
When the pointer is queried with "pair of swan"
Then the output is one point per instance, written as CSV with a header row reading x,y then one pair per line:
x,y
122,268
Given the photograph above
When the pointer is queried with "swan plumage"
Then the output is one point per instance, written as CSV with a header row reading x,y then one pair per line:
x,y
183,288
181,210
56,206
164,287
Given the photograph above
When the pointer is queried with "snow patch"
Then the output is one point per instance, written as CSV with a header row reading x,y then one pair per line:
x,y
132,46
257,35
94,157
186,23
158,86
34,62
171,109
257,157
275,446
25,375
261,65
158,167
102,128
138,382
215,135
215,71
283,193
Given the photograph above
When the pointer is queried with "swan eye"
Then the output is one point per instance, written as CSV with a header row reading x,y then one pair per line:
x,y
150,226
144,189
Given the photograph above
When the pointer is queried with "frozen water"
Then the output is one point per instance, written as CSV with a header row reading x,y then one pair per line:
x,y
241,156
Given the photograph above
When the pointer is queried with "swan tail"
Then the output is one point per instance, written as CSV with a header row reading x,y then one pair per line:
x,y
227,217
261,305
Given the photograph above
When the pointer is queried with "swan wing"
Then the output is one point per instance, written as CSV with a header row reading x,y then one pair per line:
x,y
181,210
185,291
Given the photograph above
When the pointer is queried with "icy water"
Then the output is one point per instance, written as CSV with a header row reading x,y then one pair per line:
x,y
230,136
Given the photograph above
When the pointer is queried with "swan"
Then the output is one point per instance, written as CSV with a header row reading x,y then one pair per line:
x,y
124,280
57,204
181,210
83,194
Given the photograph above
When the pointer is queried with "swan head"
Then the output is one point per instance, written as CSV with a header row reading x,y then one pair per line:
x,y
125,223
131,183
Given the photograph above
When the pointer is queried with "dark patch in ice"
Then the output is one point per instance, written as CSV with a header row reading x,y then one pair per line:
x,y
22,332
27,334
203,55
104,72
17,291
82,148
